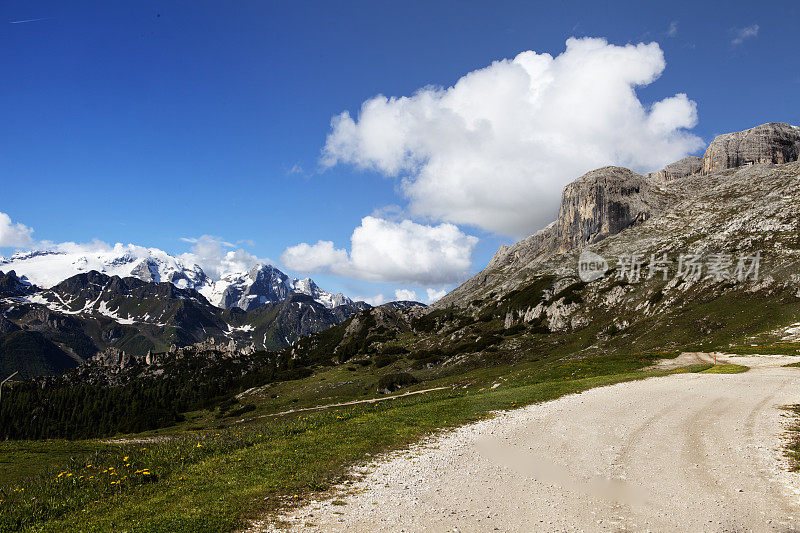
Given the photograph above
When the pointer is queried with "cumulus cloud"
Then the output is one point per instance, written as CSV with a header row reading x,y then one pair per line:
x,y
435,295
218,257
495,149
740,34
390,251
14,234
378,299
405,294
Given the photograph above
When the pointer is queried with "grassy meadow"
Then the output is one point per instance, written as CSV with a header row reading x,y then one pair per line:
x,y
215,475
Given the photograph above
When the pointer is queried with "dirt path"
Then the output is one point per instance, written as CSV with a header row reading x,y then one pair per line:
x,y
691,452
345,404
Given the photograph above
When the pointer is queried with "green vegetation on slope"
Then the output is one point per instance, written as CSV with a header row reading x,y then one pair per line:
x,y
30,353
215,479
726,369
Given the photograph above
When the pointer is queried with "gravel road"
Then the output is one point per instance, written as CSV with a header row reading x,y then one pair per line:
x,y
691,452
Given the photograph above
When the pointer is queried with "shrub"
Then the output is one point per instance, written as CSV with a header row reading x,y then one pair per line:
x,y
393,382
384,360
394,350
513,330
657,296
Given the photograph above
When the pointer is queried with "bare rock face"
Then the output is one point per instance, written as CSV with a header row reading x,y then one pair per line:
x,y
679,169
601,203
769,143
608,200
526,250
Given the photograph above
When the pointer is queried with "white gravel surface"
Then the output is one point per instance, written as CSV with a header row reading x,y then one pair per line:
x,y
692,452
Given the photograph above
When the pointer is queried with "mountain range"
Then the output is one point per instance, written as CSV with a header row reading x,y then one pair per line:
x,y
737,204
130,301
703,255
248,289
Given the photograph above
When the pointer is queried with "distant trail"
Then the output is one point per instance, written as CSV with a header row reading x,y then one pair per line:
x,y
345,404
687,452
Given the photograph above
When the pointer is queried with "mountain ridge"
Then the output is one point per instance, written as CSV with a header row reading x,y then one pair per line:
x,y
261,284
608,200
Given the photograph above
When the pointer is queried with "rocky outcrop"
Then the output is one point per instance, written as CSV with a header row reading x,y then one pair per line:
x,y
6,326
768,143
600,203
528,249
113,358
679,169
263,285
12,285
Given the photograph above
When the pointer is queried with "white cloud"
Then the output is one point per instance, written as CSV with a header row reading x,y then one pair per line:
x,y
495,149
740,34
297,168
672,31
405,294
434,295
217,257
13,234
389,251
378,299
320,257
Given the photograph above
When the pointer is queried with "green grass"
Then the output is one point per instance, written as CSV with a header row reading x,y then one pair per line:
x,y
793,364
21,460
726,369
215,480
792,348
793,442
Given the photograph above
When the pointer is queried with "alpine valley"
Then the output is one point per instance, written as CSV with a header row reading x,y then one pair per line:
x,y
135,323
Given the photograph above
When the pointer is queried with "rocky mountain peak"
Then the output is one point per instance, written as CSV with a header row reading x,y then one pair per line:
x,y
768,143
679,169
601,203
608,200
262,284
12,285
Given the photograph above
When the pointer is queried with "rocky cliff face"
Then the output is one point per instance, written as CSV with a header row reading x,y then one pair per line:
x,y
768,143
263,284
12,285
600,203
606,201
679,169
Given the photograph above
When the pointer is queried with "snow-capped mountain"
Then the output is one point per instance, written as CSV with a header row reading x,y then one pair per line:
x,y
261,285
308,287
50,267
44,331
265,284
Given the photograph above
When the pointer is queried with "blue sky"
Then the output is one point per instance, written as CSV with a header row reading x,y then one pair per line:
x,y
148,122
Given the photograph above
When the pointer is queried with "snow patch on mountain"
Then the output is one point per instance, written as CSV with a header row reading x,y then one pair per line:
x,y
260,285
50,267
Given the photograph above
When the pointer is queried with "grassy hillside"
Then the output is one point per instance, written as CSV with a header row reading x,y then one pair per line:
x,y
30,353
212,473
